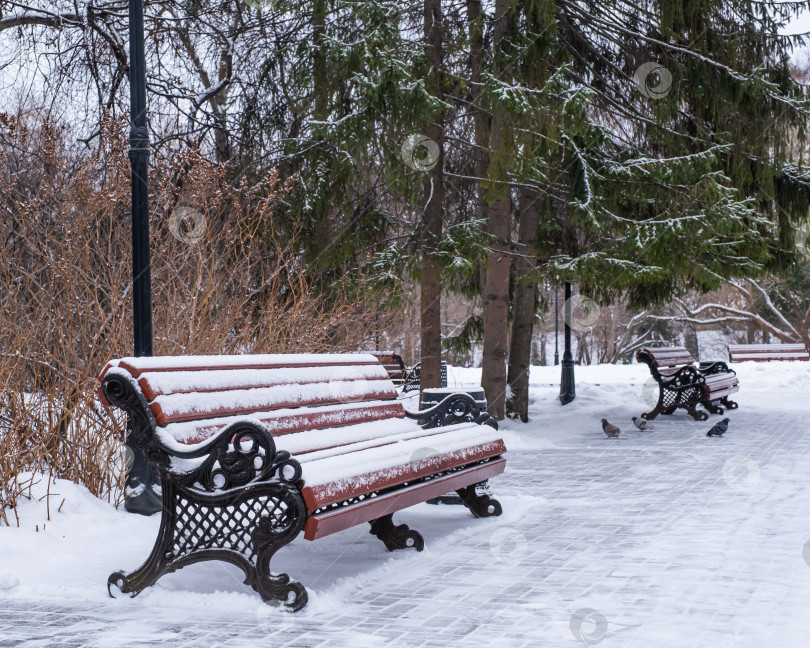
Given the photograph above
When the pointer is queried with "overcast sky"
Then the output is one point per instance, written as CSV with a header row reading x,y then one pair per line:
x,y
799,26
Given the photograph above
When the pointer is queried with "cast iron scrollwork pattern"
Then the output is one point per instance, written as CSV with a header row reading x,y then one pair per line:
x,y
456,408
244,527
119,390
242,453
241,504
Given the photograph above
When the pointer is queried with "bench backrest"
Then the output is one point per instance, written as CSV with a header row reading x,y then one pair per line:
x,y
393,364
196,395
669,356
767,352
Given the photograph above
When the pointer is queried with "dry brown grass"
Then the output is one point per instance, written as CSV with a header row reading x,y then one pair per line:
x,y
65,283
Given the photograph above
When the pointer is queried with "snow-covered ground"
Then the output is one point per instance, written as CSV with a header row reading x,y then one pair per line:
x,y
663,538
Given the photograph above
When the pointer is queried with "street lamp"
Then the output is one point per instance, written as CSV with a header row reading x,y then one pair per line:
x,y
567,387
140,478
556,325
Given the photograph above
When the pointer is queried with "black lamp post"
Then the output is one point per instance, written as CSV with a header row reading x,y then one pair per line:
x,y
556,325
567,388
145,501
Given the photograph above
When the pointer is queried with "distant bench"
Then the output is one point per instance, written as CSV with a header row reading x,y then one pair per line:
x,y
767,352
252,450
400,375
681,384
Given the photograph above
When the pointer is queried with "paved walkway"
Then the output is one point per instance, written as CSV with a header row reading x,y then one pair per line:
x,y
658,539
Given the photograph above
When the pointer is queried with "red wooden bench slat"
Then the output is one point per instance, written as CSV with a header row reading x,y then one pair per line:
x,y
328,522
787,346
290,423
137,366
670,356
151,392
264,404
330,493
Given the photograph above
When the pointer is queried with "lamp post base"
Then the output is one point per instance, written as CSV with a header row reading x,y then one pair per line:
x,y
568,390
143,493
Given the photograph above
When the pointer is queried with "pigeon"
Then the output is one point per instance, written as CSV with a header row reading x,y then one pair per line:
x,y
642,424
719,429
610,430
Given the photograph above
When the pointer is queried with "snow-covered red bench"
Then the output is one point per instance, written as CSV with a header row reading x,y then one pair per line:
x,y
767,352
682,384
253,449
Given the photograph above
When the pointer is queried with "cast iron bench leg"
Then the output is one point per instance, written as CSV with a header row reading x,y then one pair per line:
x,y
715,406
729,404
479,505
695,413
244,528
396,536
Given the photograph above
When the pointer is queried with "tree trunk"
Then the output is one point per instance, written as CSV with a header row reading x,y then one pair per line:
x,y
524,306
496,291
690,340
496,309
431,375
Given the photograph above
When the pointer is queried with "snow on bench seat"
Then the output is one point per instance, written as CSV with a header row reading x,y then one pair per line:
x,y
721,385
284,421
349,474
197,405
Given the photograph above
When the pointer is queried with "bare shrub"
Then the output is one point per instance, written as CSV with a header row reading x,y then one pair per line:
x,y
234,284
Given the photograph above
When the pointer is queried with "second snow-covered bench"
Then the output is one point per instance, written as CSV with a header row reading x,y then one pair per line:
x,y
254,449
767,352
682,384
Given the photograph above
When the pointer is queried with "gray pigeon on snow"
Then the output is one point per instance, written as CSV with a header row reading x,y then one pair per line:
x,y
719,429
642,424
610,430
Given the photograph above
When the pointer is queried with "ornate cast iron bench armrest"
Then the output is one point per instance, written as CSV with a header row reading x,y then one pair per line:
x,y
715,367
683,378
456,408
